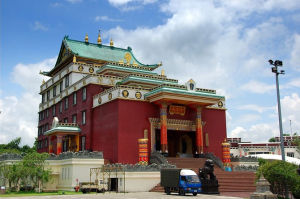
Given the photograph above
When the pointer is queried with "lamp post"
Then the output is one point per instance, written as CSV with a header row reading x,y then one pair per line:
x,y
275,70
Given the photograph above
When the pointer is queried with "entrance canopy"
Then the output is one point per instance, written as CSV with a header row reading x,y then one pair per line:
x,y
179,94
64,129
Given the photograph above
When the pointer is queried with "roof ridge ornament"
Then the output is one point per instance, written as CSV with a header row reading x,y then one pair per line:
x,y
74,59
111,43
99,41
86,39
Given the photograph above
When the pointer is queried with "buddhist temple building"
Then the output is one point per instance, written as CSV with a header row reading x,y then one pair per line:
x,y
101,98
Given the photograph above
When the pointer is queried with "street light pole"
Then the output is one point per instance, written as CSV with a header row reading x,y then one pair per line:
x,y
275,70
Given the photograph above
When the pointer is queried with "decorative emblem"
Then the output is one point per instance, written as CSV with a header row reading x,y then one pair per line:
x,y
127,57
138,95
91,69
99,100
125,93
109,96
220,104
80,68
179,110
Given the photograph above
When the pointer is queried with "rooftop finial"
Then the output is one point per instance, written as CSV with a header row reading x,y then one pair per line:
x,y
99,38
111,43
163,72
43,82
74,59
86,39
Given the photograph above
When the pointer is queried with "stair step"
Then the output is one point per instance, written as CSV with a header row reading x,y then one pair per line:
x,y
240,181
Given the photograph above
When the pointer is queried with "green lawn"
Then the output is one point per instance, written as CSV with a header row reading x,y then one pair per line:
x,y
19,194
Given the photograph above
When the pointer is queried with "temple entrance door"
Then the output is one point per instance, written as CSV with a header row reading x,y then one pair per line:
x,y
180,143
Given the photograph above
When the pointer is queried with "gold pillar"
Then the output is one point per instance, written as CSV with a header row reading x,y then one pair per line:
x,y
58,144
50,145
77,142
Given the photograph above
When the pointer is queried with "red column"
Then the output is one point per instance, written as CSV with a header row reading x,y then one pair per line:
x,y
59,144
199,133
50,144
163,128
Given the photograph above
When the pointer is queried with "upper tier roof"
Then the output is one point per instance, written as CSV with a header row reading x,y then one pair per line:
x,y
93,51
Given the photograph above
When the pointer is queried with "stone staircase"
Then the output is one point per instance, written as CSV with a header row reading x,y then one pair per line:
x,y
228,181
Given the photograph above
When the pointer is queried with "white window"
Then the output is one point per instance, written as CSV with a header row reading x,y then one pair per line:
x,y
66,103
54,91
84,94
60,107
83,117
74,118
53,110
74,98
67,81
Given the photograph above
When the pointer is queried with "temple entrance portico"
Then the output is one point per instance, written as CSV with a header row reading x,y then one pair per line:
x,y
173,102
63,137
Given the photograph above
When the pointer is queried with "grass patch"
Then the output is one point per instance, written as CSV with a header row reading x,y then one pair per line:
x,y
28,193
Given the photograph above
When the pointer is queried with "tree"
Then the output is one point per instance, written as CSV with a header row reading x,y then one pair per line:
x,y
14,147
297,143
281,175
34,164
272,139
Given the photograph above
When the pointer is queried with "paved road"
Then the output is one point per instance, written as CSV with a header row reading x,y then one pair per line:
x,y
139,195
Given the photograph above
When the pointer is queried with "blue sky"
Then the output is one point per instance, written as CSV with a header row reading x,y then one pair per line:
x,y
222,45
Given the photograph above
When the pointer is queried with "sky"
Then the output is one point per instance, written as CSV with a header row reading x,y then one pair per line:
x,y
222,45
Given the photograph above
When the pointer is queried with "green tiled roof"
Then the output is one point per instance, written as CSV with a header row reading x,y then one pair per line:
x,y
101,52
146,80
63,129
182,91
125,69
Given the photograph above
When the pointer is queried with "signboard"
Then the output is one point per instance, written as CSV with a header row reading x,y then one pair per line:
x,y
178,110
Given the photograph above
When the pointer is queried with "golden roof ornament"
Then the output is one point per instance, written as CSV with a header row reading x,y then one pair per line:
x,y
99,41
163,72
74,59
43,82
86,39
111,43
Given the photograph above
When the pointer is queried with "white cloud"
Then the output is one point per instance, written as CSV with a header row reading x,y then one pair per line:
x,y
258,87
74,1
208,43
19,116
106,18
256,133
291,111
118,3
295,58
292,83
254,107
38,26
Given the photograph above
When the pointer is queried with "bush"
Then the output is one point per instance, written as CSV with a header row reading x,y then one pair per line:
x,y
281,175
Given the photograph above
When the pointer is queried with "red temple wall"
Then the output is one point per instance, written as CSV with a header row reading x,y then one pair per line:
x,y
133,120
105,130
119,139
215,126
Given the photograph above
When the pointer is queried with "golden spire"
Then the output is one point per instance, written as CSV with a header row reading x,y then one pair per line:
x,y
111,43
43,82
86,39
74,58
162,72
99,39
